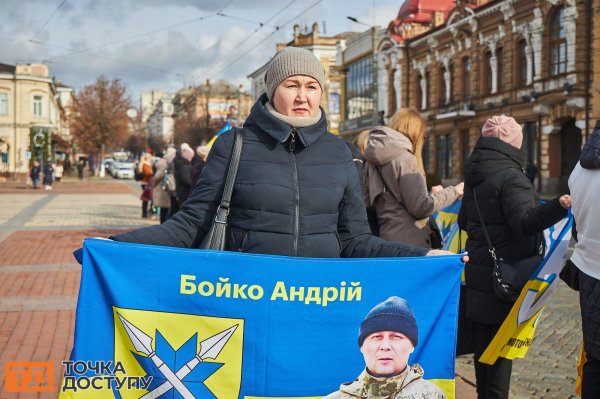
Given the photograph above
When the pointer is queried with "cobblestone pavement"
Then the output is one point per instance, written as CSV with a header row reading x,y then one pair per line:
x,y
550,368
39,282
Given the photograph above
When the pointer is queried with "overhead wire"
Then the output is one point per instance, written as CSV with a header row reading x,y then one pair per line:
x,y
230,63
223,58
48,20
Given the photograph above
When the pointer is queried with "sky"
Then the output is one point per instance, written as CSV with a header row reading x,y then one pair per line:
x,y
167,45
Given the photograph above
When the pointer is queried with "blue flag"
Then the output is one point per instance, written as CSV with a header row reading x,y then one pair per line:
x,y
165,322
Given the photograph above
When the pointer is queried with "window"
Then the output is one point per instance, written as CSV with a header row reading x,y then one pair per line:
x,y
451,99
426,155
558,43
466,151
499,69
3,104
419,93
487,78
466,78
521,63
359,89
428,90
442,87
444,156
37,105
530,143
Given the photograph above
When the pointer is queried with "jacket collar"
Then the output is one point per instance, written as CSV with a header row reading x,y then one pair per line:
x,y
281,131
499,146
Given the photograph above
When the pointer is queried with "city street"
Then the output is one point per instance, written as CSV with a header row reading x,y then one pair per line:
x,y
39,281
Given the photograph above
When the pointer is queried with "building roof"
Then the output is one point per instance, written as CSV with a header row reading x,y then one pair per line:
x,y
7,68
421,10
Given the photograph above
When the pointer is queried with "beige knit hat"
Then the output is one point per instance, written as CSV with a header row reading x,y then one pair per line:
x,y
293,61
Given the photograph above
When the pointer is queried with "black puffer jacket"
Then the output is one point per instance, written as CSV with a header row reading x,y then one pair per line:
x,y
305,202
513,219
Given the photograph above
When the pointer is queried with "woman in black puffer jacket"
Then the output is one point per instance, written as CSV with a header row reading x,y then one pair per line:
x,y
297,191
514,223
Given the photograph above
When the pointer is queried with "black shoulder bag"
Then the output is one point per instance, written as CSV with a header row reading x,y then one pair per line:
x,y
509,277
215,238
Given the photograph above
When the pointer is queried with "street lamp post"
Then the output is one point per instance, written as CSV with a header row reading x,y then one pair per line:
x,y
375,89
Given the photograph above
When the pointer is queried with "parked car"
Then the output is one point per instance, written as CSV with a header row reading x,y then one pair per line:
x,y
124,170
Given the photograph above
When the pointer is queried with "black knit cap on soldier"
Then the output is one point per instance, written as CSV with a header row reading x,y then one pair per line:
x,y
393,314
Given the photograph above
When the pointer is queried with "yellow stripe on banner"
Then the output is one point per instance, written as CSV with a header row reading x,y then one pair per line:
x,y
580,363
448,386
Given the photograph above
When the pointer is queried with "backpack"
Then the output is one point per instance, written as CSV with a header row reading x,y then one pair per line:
x,y
137,174
167,183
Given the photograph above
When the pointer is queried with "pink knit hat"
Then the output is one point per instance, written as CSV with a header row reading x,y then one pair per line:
x,y
505,128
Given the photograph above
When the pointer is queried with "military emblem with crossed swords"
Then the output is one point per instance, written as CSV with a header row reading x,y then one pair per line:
x,y
209,349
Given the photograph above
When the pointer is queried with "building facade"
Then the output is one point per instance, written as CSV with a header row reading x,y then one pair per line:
x,y
462,64
160,122
33,117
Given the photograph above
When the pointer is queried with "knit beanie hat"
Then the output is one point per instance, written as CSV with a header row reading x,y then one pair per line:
x,y
505,128
393,314
289,62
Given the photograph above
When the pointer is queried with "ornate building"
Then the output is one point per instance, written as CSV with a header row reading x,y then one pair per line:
x,y
482,58
34,113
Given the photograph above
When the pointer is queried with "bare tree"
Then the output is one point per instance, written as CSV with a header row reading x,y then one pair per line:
x,y
99,116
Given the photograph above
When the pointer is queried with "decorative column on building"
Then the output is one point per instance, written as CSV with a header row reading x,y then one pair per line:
x,y
537,29
492,43
421,67
445,58
524,30
571,15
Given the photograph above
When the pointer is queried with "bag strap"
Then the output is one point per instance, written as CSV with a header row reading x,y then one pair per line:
x,y
491,248
234,163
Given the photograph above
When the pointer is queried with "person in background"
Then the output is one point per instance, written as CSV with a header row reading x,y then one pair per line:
x,y
48,175
80,169
198,162
514,222
58,170
182,169
584,185
297,191
361,145
34,174
160,197
145,170
395,183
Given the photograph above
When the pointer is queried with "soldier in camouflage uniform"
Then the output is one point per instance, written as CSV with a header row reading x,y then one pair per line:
x,y
387,337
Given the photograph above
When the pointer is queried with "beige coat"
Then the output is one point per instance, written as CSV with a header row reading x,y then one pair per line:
x,y
408,385
160,197
401,199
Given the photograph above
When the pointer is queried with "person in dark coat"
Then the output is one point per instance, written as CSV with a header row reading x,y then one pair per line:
x,y
34,173
297,191
515,224
48,175
182,171
198,162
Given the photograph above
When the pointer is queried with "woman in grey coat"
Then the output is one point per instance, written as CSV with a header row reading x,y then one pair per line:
x,y
395,181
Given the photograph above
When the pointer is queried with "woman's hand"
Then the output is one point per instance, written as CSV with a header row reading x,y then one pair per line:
x,y
437,252
460,188
565,201
436,189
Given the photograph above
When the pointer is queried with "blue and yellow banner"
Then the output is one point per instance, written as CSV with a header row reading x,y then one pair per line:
x,y
453,237
514,337
159,322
